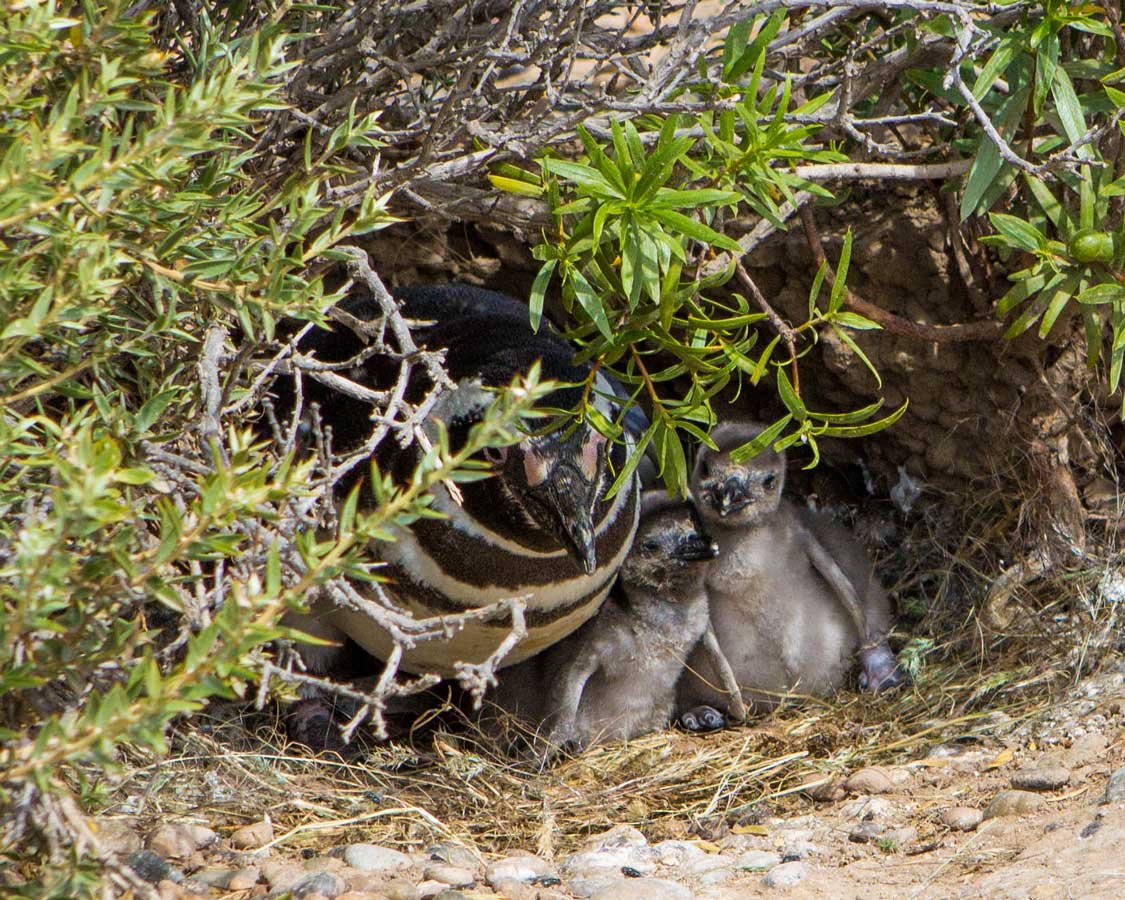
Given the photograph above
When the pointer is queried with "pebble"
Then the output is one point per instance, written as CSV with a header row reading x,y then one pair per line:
x,y
451,876
865,833
872,780
244,879
180,840
961,818
1013,803
596,862
516,868
453,854
250,837
586,886
373,858
644,889
115,835
826,792
152,867
1115,790
169,890
785,875
1041,778
324,883
281,875
617,836
677,853
757,861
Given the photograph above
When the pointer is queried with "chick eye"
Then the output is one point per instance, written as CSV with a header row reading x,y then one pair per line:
x,y
769,481
495,454
650,545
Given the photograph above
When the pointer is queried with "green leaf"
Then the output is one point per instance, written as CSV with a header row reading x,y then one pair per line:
x,y
1063,294
538,295
762,440
1018,232
1069,109
1103,293
515,186
988,163
695,230
854,431
590,302
789,396
855,348
855,321
151,410
584,176
134,476
839,286
632,462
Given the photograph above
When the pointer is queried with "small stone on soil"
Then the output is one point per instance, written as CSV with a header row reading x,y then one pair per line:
x,y
644,889
1013,803
517,868
152,867
961,818
757,861
1041,778
180,840
453,876
250,837
785,875
1115,790
373,858
871,780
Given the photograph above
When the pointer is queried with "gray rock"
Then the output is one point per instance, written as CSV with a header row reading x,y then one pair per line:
x,y
865,833
214,877
799,849
1013,803
961,818
252,836
677,853
116,835
152,867
785,875
516,868
180,840
644,889
373,858
757,861
244,879
617,836
1041,778
586,886
1115,790
872,780
324,883
453,876
591,862
454,854
280,874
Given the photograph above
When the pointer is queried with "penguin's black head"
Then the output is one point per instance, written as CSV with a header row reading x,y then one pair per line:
x,y
558,479
670,544
736,495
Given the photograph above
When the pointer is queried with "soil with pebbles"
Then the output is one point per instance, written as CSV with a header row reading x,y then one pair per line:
x,y
1038,814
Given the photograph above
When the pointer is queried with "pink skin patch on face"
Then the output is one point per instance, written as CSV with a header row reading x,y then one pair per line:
x,y
535,466
591,453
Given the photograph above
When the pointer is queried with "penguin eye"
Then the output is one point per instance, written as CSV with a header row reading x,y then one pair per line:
x,y
769,481
496,455
650,545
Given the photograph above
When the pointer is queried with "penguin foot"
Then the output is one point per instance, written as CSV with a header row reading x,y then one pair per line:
x,y
701,719
880,669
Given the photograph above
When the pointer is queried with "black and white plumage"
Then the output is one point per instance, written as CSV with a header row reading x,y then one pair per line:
x,y
540,528
793,598
615,678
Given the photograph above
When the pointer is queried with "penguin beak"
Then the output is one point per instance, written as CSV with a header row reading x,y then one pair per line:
x,y
569,502
731,496
696,548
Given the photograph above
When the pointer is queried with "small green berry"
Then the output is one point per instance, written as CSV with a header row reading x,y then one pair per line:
x,y
1090,246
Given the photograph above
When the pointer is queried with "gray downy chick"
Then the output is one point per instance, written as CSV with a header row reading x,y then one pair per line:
x,y
615,678
793,599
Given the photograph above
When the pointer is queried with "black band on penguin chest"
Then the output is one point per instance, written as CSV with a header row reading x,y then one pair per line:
x,y
476,560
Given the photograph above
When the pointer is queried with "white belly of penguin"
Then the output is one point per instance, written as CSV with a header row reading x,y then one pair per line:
x,y
474,642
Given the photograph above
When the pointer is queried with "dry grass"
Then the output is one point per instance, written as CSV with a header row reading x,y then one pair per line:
x,y
450,782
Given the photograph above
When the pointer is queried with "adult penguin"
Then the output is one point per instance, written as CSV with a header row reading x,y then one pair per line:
x,y
540,527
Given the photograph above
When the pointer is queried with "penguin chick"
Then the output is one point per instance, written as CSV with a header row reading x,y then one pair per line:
x,y
615,677
792,595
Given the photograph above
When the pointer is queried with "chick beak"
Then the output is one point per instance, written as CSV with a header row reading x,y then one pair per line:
x,y
731,494
696,548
